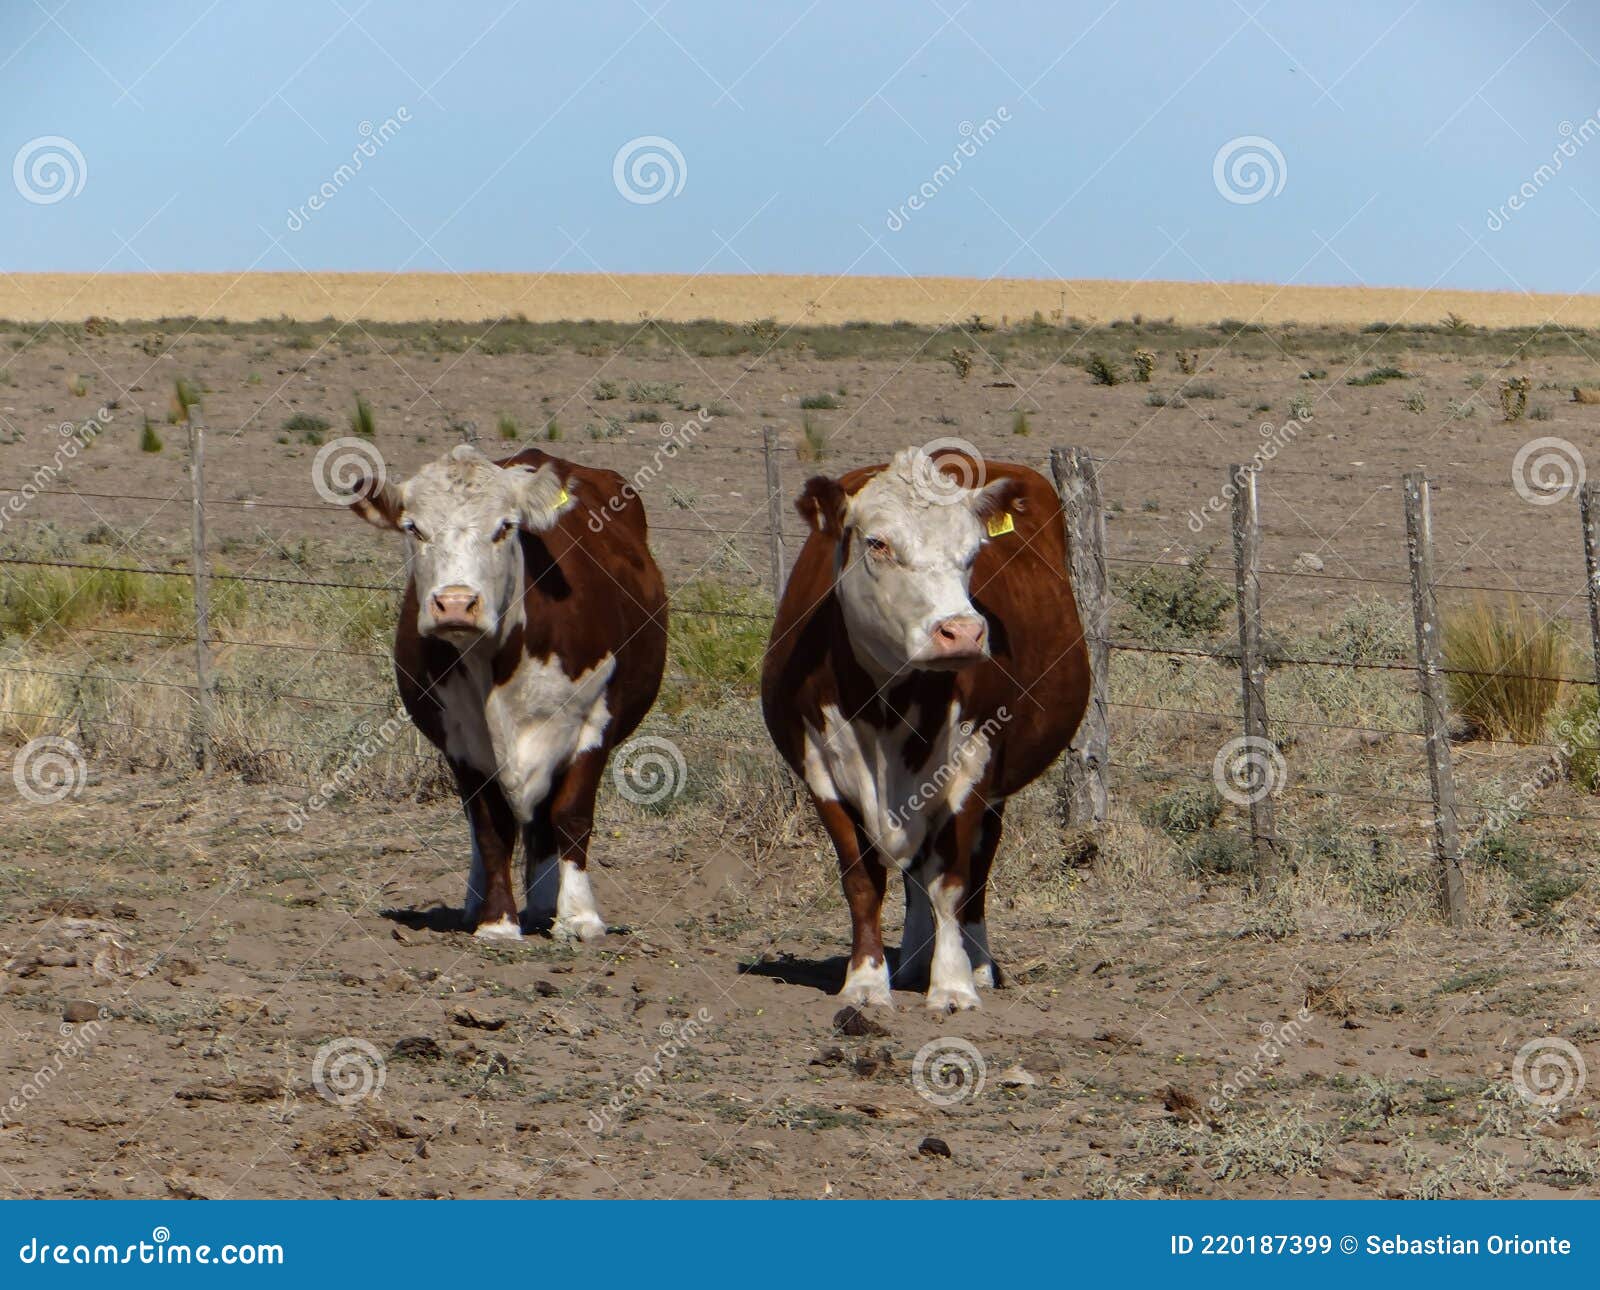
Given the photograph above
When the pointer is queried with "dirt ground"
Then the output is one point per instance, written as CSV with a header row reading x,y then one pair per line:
x,y
197,1002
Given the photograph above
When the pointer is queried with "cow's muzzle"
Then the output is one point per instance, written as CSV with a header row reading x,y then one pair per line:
x,y
956,641
456,609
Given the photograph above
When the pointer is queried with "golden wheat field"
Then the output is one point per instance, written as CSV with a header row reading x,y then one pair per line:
x,y
814,299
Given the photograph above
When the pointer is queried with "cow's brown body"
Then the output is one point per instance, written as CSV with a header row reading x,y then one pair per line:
x,y
591,590
1030,695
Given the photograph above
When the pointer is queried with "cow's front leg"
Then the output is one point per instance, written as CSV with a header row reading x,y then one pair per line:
x,y
974,927
491,905
862,875
571,816
950,983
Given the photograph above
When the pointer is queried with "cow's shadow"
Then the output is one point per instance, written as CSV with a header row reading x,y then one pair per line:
x,y
432,918
825,975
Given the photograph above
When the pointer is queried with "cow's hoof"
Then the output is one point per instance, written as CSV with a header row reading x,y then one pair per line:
x,y
580,927
867,984
953,998
505,929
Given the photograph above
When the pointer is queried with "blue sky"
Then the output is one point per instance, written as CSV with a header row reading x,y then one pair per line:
x,y
204,128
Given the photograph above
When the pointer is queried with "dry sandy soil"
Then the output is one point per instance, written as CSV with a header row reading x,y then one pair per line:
x,y
819,300
223,953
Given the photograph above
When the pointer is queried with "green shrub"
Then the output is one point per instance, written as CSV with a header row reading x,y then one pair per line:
x,y
1168,604
1102,371
1020,424
149,439
1184,811
506,426
309,428
820,402
1219,855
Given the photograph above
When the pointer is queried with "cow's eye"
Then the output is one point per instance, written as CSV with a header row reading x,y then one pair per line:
x,y
503,529
879,547
410,526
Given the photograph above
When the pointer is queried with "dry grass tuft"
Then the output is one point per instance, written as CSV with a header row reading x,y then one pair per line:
x,y
1505,666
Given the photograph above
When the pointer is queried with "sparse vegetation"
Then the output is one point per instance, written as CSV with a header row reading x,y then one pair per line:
x,y
362,423
1514,396
307,427
813,445
1102,371
1505,665
1144,365
149,437
819,402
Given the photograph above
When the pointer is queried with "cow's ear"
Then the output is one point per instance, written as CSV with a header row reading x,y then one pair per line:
x,y
821,504
542,497
994,503
378,502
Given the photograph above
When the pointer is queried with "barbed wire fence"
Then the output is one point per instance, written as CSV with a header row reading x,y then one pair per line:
x,y
1252,764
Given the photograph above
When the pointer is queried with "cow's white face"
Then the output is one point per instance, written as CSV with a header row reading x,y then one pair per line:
x,y
461,516
905,557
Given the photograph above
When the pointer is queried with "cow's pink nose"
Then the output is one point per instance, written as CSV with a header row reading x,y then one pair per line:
x,y
455,607
960,637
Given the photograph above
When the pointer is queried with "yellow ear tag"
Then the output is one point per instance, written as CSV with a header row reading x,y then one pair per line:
x,y
999,525
563,497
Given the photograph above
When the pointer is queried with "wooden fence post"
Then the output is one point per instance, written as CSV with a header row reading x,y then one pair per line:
x,y
1435,708
1259,754
1077,480
202,586
769,451
1589,507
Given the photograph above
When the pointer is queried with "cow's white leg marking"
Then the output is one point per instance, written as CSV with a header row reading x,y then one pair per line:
x,y
950,986
507,929
543,886
576,916
867,983
916,941
975,936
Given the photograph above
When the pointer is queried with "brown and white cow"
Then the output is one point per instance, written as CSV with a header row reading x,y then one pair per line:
x,y
927,662
532,640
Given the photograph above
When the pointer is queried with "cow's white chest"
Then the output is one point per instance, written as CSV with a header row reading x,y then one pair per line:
x,y
526,730
900,806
